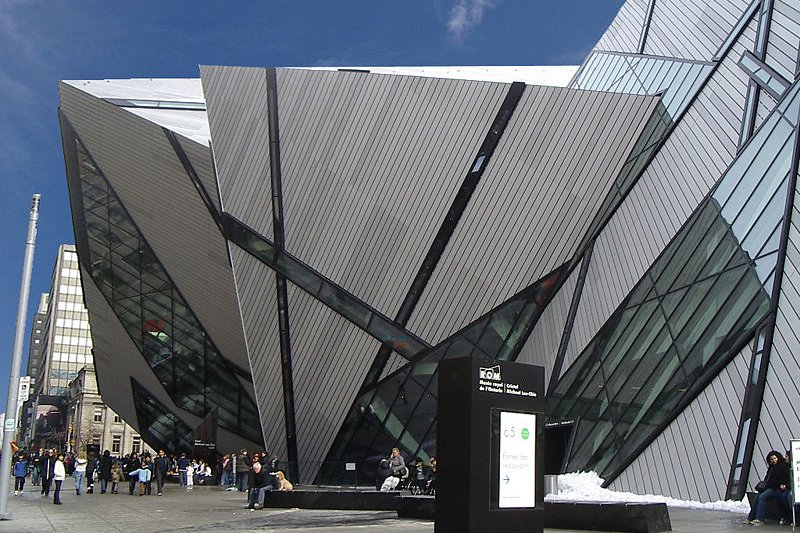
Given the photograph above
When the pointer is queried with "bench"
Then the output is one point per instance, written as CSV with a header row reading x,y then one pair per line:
x,y
633,517
773,511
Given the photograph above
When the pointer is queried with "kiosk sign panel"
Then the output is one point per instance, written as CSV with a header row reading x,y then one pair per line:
x,y
517,472
795,458
489,447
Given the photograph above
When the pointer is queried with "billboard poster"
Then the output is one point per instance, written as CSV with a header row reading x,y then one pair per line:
x,y
50,418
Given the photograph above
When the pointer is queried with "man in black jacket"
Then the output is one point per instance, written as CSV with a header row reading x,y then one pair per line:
x,y
262,482
46,464
105,470
161,467
132,465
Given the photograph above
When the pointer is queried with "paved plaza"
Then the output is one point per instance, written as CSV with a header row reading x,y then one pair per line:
x,y
212,509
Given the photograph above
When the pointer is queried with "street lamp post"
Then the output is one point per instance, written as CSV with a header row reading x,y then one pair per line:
x,y
16,359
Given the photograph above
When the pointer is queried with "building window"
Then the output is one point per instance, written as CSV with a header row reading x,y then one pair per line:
x,y
98,414
137,444
96,440
116,444
117,419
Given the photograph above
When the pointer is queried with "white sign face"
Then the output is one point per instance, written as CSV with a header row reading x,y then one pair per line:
x,y
11,424
517,460
24,389
795,449
350,467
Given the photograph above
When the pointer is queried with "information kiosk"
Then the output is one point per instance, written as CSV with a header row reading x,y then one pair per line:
x,y
490,425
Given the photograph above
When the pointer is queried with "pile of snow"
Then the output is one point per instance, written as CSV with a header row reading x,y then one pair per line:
x,y
588,486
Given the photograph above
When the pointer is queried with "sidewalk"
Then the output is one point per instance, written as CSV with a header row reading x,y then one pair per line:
x,y
213,509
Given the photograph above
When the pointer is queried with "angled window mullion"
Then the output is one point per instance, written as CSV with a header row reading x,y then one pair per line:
x,y
324,290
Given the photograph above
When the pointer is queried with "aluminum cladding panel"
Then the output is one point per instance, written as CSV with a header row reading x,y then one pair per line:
x,y
692,159
330,357
236,99
782,53
139,162
202,161
370,165
692,29
626,29
255,285
690,459
551,171
779,421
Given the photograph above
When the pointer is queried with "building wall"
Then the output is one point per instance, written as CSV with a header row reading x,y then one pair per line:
x,y
110,432
67,340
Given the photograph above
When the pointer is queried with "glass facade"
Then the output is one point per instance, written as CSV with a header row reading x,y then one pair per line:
x,y
156,317
676,80
160,428
701,300
401,409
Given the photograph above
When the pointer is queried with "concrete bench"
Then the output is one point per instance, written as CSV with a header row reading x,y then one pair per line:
x,y
351,500
631,517
774,511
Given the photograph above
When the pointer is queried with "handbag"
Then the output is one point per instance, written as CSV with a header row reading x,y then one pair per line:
x,y
761,486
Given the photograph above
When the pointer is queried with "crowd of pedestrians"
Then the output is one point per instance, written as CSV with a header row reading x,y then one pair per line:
x,y
256,476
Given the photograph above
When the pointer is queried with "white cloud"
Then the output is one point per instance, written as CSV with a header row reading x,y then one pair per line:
x,y
466,14
13,32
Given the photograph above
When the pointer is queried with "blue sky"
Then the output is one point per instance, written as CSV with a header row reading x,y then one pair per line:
x,y
42,42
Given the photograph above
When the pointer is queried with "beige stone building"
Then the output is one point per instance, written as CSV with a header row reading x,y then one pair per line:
x,y
91,422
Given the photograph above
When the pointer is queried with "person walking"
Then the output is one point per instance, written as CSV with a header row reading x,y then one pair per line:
x,y
132,465
36,475
161,469
59,473
20,471
183,465
104,471
80,472
46,464
242,470
116,476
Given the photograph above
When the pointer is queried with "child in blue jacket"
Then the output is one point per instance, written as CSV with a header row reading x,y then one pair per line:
x,y
144,475
20,471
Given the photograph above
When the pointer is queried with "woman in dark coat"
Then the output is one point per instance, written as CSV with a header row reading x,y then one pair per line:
x,y
777,482
105,470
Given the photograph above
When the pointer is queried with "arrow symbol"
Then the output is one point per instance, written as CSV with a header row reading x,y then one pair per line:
x,y
506,479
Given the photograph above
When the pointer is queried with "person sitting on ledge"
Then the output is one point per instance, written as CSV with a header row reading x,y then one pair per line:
x,y
384,472
262,483
419,476
775,483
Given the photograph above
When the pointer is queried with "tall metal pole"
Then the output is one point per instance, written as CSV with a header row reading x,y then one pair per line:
x,y
16,359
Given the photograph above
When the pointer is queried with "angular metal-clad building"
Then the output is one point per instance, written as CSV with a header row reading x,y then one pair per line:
x,y
291,252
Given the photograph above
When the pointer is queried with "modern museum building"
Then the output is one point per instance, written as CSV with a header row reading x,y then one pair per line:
x,y
281,257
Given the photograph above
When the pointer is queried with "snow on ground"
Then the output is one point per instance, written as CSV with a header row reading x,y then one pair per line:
x,y
587,486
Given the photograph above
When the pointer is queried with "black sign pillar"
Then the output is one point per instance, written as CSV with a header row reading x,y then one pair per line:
x,y
490,447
